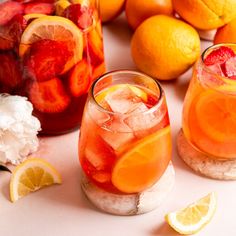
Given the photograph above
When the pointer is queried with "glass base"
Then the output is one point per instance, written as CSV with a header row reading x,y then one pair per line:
x,y
130,204
202,163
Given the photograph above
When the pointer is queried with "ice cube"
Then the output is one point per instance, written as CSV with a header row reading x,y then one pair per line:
x,y
102,176
95,159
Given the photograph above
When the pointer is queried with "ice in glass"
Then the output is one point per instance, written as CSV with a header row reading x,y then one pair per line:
x,y
51,51
125,140
209,115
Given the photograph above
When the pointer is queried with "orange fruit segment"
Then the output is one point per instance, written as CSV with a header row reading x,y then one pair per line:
x,y
216,114
144,164
54,28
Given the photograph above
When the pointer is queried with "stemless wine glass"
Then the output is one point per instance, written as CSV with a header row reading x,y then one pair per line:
x,y
125,140
209,114
51,51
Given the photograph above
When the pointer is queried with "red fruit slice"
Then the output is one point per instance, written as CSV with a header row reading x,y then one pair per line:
x,y
80,15
41,8
229,67
10,33
46,59
219,56
80,78
8,10
10,73
49,96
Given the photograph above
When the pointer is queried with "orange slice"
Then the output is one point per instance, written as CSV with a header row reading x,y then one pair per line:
x,y
54,28
216,115
33,16
144,164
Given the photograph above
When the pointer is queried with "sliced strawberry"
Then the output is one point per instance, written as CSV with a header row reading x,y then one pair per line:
x,y
229,67
8,10
46,59
49,96
80,15
10,72
10,33
38,7
80,78
219,56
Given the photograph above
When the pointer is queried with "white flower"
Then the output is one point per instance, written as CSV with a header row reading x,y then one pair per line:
x,y
18,129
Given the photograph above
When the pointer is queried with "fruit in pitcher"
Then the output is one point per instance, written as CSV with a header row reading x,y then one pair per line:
x,y
8,10
164,47
138,10
46,59
49,96
80,78
80,15
61,5
206,14
55,28
37,7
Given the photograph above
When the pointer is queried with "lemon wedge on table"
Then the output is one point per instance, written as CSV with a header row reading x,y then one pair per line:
x,y
31,175
194,217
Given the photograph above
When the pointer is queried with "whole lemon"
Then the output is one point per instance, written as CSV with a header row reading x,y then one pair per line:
x,y
206,14
139,10
164,47
110,9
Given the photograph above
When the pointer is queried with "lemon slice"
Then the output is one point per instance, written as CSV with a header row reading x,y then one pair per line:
x,y
31,175
33,16
54,28
61,5
194,217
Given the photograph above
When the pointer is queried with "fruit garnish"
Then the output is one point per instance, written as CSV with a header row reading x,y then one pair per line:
x,y
219,56
55,28
49,96
37,7
208,105
30,176
10,73
46,59
32,16
80,78
61,5
194,217
10,33
80,15
150,155
8,10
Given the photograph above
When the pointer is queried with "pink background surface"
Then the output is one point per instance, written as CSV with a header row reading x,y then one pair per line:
x,y
64,210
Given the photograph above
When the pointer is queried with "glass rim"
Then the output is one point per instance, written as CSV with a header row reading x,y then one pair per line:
x,y
126,71
209,70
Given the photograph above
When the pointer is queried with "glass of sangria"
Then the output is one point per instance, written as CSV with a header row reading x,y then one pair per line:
x,y
125,143
50,52
209,114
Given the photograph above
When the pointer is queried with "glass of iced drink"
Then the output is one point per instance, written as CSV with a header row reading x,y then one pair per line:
x,y
209,115
125,140
50,52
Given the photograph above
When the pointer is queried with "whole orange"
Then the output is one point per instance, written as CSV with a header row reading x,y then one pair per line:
x,y
206,14
139,10
227,33
110,9
164,47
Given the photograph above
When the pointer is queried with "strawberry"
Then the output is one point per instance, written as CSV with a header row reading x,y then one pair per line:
x,y
8,10
10,33
46,59
10,73
80,15
229,67
219,56
38,7
49,96
80,78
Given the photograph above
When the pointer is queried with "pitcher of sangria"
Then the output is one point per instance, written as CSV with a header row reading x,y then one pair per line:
x,y
50,52
125,144
209,114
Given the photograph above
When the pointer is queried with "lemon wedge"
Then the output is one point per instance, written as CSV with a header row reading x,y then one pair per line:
x,y
194,217
31,175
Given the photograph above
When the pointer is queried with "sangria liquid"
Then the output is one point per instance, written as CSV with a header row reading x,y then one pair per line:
x,y
50,52
125,140
209,114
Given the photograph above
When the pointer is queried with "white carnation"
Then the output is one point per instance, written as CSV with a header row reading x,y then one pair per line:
x,y
18,129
